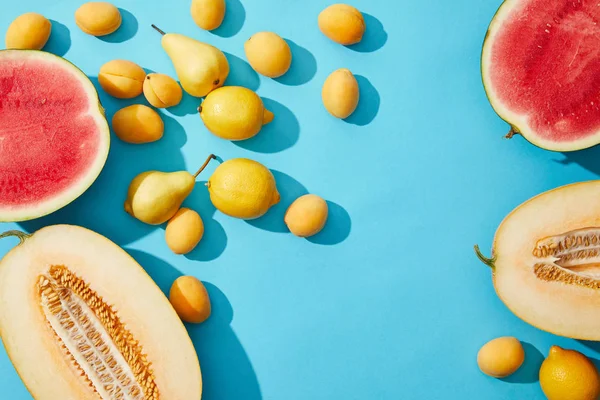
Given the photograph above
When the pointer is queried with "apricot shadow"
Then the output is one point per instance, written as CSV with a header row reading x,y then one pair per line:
x,y
529,371
303,67
59,42
100,208
289,189
280,134
127,30
374,38
337,229
241,73
235,15
227,373
368,103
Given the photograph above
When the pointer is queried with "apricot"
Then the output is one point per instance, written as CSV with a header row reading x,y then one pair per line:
x,y
122,79
138,124
208,14
98,18
268,54
340,93
162,91
184,231
501,357
307,215
29,31
342,23
190,299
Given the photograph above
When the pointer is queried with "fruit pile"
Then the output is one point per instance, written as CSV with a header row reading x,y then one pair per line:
x,y
55,143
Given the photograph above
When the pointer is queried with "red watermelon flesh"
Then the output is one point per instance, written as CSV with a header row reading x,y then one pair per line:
x,y
53,134
541,70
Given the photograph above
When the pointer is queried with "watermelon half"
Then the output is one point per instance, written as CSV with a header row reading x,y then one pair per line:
x,y
54,138
541,71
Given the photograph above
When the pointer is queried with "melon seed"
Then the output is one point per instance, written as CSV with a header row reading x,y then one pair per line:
x,y
93,337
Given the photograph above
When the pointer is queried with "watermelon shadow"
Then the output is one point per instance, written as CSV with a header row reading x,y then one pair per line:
x,y
337,228
289,189
241,73
530,369
214,241
127,30
59,42
235,15
587,158
303,68
227,372
100,208
374,38
278,135
368,103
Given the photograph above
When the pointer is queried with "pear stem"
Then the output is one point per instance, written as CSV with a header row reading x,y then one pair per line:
x,y
487,261
21,235
159,30
211,157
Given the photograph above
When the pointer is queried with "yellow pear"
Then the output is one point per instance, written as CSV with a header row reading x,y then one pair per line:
x,y
154,197
200,67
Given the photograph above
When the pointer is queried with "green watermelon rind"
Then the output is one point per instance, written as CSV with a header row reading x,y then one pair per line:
x,y
518,124
74,191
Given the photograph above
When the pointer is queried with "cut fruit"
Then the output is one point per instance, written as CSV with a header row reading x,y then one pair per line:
x,y
80,319
54,138
541,71
546,261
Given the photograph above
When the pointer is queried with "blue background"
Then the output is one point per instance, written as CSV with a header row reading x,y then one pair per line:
x,y
388,301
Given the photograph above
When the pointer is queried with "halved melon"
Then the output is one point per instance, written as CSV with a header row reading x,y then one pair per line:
x,y
541,71
54,138
80,319
546,261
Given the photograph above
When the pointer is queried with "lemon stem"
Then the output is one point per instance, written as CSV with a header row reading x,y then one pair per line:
x,y
211,157
487,261
21,235
159,30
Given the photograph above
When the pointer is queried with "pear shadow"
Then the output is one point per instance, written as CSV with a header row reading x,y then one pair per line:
x,y
100,208
241,73
303,68
235,15
59,42
529,371
214,241
289,190
127,30
368,103
227,373
337,229
587,158
278,135
374,38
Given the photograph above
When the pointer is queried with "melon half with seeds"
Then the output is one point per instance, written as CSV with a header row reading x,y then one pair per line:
x,y
546,261
541,71
54,138
81,320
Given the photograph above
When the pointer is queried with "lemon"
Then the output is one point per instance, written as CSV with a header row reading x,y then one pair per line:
x,y
569,375
242,188
234,113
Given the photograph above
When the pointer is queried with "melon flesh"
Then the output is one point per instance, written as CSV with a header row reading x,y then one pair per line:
x,y
58,289
547,261
54,138
541,71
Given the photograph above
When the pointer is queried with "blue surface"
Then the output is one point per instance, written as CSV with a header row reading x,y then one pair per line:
x,y
388,301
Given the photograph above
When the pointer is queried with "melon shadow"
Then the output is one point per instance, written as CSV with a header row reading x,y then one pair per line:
x,y
241,73
127,30
374,38
529,371
227,372
280,134
338,226
235,15
59,42
303,67
368,103
289,189
100,208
